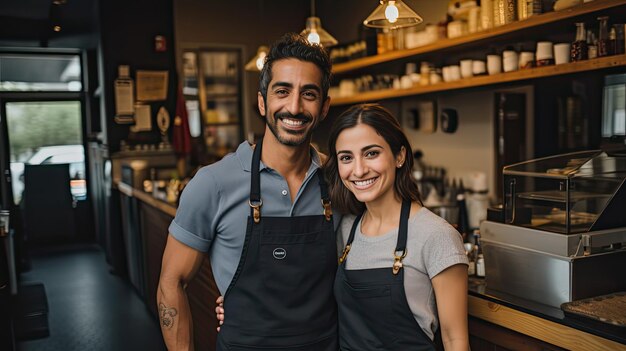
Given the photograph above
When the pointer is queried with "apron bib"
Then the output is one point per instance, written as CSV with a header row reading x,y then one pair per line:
x,y
281,297
373,310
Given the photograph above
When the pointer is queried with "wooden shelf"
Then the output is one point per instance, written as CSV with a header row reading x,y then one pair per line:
x,y
483,36
520,75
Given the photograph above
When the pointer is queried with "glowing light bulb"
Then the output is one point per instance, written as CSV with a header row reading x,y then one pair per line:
x,y
391,12
313,37
260,62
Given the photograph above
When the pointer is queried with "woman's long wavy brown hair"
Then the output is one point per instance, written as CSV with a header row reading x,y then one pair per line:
x,y
385,125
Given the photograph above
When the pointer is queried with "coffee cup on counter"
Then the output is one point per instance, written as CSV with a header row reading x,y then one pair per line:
x,y
478,67
466,69
544,53
526,59
494,64
510,61
561,53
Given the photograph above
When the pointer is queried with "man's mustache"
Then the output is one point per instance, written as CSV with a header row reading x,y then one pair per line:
x,y
299,116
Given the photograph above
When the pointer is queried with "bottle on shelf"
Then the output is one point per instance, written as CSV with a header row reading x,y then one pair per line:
x,y
463,222
592,45
619,36
469,251
612,41
479,258
603,36
579,48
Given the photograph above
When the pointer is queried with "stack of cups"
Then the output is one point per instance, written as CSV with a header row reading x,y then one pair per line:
x,y
478,67
510,62
466,69
562,53
494,64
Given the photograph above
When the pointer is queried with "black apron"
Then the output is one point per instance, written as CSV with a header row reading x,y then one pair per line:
x,y
281,297
373,311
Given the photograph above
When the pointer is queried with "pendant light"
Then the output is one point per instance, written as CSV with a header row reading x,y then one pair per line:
x,y
257,62
392,14
314,33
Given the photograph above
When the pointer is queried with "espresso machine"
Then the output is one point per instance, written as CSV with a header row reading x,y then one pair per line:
x,y
563,237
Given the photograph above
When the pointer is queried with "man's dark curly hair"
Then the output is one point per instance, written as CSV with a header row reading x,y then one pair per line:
x,y
293,45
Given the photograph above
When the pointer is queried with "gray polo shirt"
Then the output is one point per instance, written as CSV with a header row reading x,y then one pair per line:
x,y
213,210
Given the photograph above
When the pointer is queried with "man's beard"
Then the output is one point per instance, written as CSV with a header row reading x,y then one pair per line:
x,y
305,134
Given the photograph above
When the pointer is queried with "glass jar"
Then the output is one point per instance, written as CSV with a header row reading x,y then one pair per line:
x,y
603,36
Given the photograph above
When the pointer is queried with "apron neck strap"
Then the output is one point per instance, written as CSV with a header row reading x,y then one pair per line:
x,y
255,187
405,213
255,183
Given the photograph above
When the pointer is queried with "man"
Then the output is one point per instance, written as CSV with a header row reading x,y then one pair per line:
x,y
276,269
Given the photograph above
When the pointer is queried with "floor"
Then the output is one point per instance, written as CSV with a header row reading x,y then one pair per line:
x,y
89,308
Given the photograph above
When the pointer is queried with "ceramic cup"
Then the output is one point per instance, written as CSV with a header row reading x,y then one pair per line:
x,y
478,67
446,73
544,53
510,61
526,59
466,69
494,64
457,29
455,72
561,53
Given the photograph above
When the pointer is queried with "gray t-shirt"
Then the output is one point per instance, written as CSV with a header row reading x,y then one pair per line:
x,y
432,246
213,210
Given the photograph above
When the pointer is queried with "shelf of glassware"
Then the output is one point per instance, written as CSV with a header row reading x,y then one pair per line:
x,y
484,36
508,77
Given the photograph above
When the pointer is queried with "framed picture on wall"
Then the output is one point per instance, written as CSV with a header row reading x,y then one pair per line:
x,y
151,85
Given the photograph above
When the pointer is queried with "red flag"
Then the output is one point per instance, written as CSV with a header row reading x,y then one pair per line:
x,y
182,137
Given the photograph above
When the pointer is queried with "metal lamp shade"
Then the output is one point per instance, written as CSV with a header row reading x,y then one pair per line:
x,y
315,34
392,14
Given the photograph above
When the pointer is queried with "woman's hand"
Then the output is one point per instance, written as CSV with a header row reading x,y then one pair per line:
x,y
219,311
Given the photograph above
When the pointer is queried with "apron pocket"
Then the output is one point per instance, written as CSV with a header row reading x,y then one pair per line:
x,y
370,292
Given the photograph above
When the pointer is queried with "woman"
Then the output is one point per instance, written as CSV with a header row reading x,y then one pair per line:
x,y
403,271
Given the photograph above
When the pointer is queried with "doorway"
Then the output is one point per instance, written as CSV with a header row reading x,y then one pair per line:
x,y
41,121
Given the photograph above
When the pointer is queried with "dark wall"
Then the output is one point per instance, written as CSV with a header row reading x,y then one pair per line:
x,y
251,23
127,34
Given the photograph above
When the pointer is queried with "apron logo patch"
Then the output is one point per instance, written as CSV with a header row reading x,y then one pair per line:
x,y
279,253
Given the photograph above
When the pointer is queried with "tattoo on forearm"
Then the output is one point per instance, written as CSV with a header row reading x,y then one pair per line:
x,y
167,315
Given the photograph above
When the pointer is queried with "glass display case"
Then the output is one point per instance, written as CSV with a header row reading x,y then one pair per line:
x,y
212,86
570,193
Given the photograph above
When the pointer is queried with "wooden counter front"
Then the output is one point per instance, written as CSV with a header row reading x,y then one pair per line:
x,y
155,217
528,330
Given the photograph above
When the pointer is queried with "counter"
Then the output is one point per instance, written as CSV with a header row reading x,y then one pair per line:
x,y
541,322
495,318
154,218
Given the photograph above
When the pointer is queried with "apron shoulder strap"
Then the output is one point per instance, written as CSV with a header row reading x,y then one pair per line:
x,y
255,183
346,249
405,212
